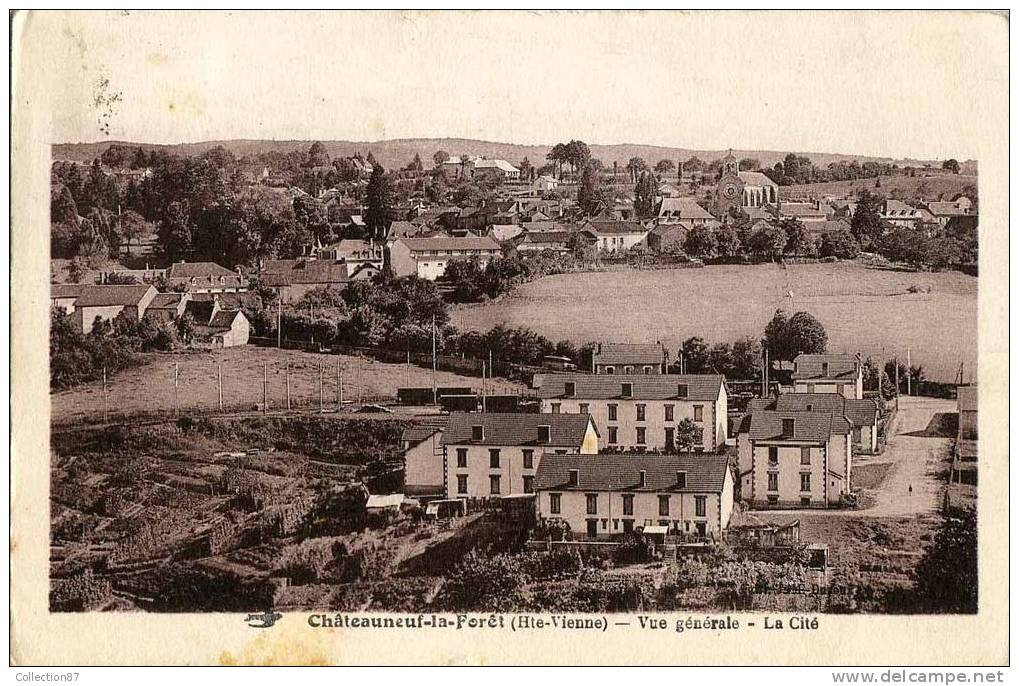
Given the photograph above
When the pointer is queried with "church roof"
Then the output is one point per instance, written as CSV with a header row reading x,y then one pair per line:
x,y
752,178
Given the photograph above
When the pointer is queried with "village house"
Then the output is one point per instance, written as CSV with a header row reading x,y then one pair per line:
x,y
427,257
490,455
495,170
828,373
862,414
805,212
204,277
609,495
898,213
109,302
943,212
544,184
682,211
640,412
559,242
424,472
167,307
629,358
794,459
220,327
292,279
616,236
64,295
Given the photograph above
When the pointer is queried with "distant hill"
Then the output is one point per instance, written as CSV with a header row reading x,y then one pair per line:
x,y
398,152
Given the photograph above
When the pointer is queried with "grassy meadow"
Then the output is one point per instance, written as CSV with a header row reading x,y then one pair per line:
x,y
863,309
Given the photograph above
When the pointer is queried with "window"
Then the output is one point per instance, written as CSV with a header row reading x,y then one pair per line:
x,y
647,369
610,370
628,526
628,369
628,503
556,408
528,483
701,505
528,459
493,458
627,390
681,480
663,506
641,412
461,483
585,408
805,455
670,438
788,427
641,435
698,413
682,390
494,480
613,435
804,482
613,412
555,503
773,482
670,413
773,455
592,503
461,458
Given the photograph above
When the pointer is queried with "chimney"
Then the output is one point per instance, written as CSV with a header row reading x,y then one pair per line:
x,y
788,427
478,432
680,479
571,389
574,477
643,479
682,390
544,433
627,390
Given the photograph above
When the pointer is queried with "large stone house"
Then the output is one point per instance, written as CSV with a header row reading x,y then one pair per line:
x,y
489,454
794,459
204,277
640,412
427,258
609,495
629,358
828,373
109,302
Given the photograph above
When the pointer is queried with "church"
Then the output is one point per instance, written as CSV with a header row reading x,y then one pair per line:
x,y
737,188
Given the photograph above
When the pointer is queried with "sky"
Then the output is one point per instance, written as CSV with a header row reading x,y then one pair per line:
x,y
883,84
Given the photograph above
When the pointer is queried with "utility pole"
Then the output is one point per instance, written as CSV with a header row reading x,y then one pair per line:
x,y
288,386
279,322
435,390
321,398
106,399
484,390
909,373
408,369
265,387
359,385
219,379
339,384
176,393
895,361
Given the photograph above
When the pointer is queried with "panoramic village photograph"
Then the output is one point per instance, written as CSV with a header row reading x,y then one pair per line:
x,y
399,377
459,374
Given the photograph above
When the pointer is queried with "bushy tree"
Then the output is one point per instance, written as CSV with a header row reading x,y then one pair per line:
x,y
644,195
867,226
947,575
769,241
588,195
701,242
839,244
379,197
694,353
727,242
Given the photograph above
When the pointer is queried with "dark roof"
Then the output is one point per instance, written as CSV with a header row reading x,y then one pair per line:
x,y
451,243
66,290
840,366
807,426
945,209
200,310
103,296
683,208
166,301
224,319
546,237
231,301
285,272
862,412
516,428
704,387
621,472
614,226
424,428
188,270
629,353
858,412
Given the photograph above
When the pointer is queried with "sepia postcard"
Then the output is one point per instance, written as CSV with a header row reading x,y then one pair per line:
x,y
520,338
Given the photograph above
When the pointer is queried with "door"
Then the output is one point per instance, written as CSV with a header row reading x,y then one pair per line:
x,y
592,527
702,529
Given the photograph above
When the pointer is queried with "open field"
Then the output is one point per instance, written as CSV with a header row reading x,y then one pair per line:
x,y
149,388
863,309
945,186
